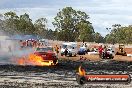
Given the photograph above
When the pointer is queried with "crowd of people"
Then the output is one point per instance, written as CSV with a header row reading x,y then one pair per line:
x,y
31,43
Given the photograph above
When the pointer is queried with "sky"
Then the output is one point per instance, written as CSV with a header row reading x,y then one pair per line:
x,y
103,13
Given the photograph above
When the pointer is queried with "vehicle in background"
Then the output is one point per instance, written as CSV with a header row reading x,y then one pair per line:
x,y
109,54
121,50
71,48
82,51
47,54
43,42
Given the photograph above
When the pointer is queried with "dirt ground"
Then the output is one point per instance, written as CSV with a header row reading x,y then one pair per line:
x,y
128,50
63,75
96,57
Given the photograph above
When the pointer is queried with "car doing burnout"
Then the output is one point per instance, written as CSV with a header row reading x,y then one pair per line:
x,y
47,54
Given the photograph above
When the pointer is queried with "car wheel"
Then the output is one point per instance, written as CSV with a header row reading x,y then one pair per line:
x,y
110,57
75,55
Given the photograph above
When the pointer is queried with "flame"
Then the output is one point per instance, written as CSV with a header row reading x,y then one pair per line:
x,y
21,61
82,71
34,59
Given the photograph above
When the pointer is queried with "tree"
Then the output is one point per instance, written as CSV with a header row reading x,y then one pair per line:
x,y
40,26
1,23
98,38
71,25
50,34
120,34
11,22
25,25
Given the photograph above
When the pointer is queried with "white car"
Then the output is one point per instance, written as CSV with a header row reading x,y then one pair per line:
x,y
109,54
111,51
71,48
44,42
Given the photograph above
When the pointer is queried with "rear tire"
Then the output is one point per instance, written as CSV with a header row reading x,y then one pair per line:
x,y
110,57
75,55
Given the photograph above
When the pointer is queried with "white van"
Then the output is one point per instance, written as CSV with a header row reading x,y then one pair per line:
x,y
71,47
44,42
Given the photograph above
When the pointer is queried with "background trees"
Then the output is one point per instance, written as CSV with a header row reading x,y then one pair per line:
x,y
69,24
11,23
72,25
40,26
25,24
120,35
98,38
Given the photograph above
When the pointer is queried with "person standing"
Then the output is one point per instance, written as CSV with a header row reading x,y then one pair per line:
x,y
66,51
57,50
100,51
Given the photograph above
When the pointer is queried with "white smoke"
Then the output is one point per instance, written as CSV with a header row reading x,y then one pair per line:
x,y
10,50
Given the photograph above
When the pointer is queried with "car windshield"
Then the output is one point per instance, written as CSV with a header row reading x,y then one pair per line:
x,y
67,46
44,49
64,46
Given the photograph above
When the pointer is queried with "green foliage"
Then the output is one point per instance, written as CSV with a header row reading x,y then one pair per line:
x,y
13,24
25,24
72,25
98,38
40,25
120,35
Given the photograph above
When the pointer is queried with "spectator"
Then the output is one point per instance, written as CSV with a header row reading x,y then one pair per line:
x,y
66,51
100,51
57,50
86,45
105,49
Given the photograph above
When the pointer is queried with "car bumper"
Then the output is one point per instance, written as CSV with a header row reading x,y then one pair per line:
x,y
50,62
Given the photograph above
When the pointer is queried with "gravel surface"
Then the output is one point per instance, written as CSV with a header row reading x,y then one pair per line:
x,y
62,75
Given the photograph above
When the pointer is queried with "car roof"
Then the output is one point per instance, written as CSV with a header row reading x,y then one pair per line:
x,y
69,43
